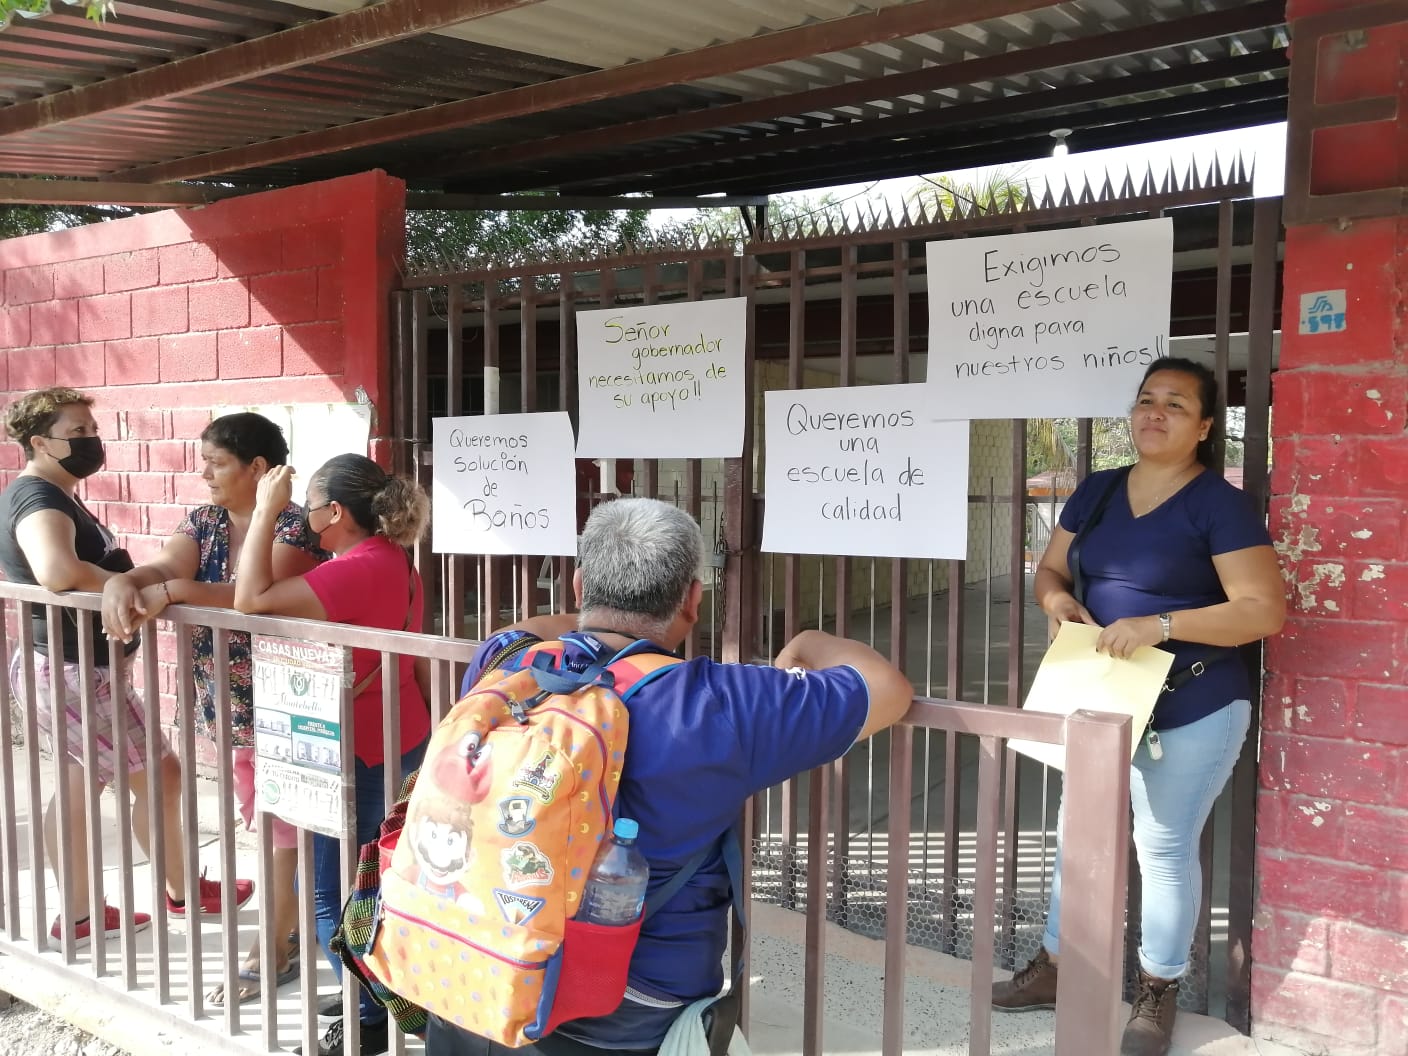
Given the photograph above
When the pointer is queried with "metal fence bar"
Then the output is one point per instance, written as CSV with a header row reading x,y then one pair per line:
x,y
225,784
1016,630
1266,226
897,888
92,813
528,401
948,907
268,995
566,401
491,602
985,895
156,793
120,675
310,951
37,857
792,573
190,821
347,845
456,566
814,967
901,738
9,843
841,786
1094,845
58,711
426,562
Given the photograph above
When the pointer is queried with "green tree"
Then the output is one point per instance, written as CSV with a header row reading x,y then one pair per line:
x,y
97,10
434,238
995,189
17,220
440,239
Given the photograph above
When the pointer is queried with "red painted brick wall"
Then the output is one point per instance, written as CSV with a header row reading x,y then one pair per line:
x,y
1330,948
274,298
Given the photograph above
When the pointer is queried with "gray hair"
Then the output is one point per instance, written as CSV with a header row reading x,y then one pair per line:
x,y
638,559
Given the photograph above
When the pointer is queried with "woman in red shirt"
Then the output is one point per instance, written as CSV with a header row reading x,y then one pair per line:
x,y
367,519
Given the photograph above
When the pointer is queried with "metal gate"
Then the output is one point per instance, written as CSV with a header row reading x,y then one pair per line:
x,y
845,306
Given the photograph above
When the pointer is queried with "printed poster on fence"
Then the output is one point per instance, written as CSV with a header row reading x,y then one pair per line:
x,y
864,471
662,380
1047,324
298,763
503,484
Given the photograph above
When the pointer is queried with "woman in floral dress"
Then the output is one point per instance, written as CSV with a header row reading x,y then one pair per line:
x,y
197,566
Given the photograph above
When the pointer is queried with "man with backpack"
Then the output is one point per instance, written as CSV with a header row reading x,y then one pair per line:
x,y
704,737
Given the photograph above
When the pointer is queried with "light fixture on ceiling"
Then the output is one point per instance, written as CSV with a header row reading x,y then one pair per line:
x,y
1060,150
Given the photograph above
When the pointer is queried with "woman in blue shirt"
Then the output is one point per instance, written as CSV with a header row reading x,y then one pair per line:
x,y
1168,554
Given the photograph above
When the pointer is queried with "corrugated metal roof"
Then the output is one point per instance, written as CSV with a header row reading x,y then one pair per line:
x,y
912,124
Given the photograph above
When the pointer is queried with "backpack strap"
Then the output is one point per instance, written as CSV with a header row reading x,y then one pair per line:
x,y
625,671
634,672
1117,480
722,1016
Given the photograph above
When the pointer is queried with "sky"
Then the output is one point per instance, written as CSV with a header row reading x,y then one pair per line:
x,y
1261,146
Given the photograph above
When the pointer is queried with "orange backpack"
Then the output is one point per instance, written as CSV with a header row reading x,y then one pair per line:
x,y
478,890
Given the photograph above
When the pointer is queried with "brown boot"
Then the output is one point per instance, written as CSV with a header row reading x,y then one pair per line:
x,y
1033,987
1150,1028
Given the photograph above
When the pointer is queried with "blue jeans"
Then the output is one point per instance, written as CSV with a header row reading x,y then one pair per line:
x,y
327,861
1172,798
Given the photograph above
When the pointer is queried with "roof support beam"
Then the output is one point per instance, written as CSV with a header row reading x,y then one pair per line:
x,y
549,202
871,27
21,191
946,150
927,123
325,38
1007,64
26,191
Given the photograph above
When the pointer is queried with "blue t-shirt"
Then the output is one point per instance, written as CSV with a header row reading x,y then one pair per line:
x,y
1162,562
704,738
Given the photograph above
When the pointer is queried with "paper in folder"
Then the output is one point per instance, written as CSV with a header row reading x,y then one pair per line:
x,y
1073,676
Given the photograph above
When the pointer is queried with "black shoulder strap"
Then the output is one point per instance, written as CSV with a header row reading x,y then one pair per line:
x,y
1117,480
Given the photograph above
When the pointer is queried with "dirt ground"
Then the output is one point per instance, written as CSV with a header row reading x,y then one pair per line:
x,y
26,1031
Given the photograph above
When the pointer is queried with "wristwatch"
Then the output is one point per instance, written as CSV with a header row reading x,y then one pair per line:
x,y
1166,624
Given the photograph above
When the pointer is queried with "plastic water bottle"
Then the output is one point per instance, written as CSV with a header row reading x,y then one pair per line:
x,y
615,890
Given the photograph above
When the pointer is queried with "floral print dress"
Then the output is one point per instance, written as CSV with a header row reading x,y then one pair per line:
x,y
209,528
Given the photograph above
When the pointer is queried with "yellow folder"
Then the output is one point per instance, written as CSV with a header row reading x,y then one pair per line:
x,y
1074,676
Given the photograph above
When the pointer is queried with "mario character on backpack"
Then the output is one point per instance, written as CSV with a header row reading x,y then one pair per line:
x,y
440,828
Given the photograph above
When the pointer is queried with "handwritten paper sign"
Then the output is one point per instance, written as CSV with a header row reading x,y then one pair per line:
x,y
663,380
503,484
864,471
1047,323
1073,675
298,764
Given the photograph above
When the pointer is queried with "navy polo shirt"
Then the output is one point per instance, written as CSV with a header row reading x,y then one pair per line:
x,y
704,738
1162,562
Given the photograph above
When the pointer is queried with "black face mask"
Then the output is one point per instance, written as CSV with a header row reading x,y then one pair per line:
x,y
85,455
314,536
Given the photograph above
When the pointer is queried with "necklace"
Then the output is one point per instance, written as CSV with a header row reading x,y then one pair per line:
x,y
1163,496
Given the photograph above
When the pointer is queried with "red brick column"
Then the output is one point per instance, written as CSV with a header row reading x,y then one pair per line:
x,y
1330,949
